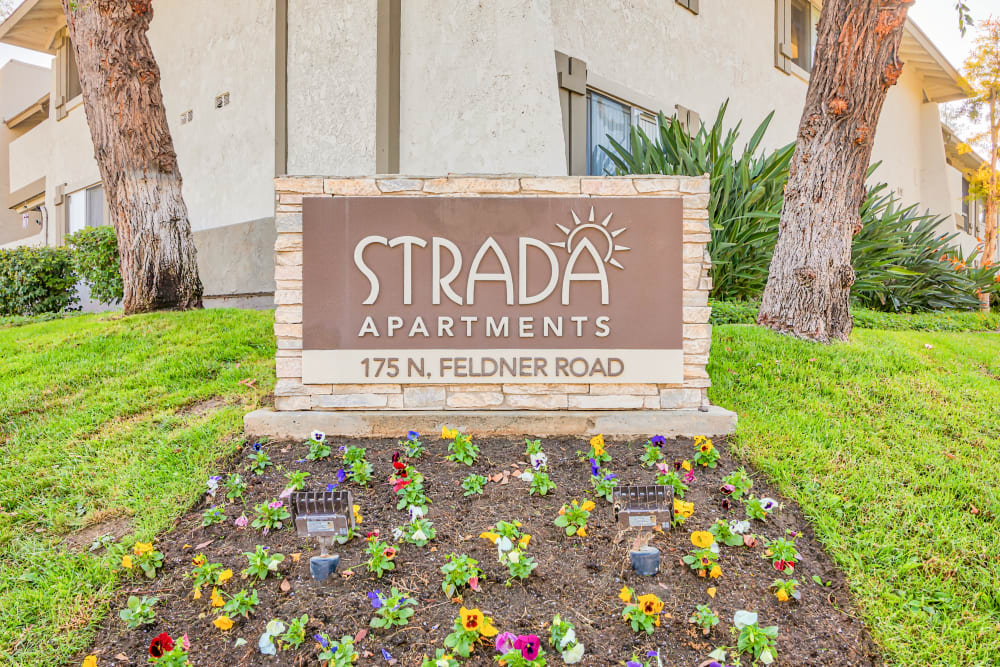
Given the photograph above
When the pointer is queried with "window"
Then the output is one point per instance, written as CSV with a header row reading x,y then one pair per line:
x,y
795,28
606,117
85,208
67,76
966,204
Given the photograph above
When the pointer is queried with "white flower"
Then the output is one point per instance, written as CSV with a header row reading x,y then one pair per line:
x,y
416,512
514,556
739,527
419,535
573,655
318,436
743,618
527,476
538,460
441,663
397,533
504,544
568,638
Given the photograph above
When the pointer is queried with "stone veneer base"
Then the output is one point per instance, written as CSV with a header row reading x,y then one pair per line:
x,y
298,425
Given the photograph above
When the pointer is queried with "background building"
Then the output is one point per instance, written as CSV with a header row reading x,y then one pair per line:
x,y
350,87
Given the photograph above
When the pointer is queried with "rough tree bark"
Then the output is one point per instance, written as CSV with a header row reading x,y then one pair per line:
x,y
990,233
810,276
135,153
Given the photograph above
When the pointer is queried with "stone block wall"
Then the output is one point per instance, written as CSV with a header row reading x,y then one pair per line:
x,y
292,394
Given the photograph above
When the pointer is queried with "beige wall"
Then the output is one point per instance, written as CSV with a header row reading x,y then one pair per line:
x,y
226,156
331,87
478,88
21,85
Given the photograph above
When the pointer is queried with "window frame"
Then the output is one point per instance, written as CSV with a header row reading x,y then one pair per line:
x,y
783,58
66,71
635,113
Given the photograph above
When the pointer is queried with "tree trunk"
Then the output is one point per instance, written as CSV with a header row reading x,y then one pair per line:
x,y
135,153
810,277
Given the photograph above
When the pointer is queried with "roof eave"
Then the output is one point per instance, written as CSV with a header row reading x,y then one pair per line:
x,y
33,25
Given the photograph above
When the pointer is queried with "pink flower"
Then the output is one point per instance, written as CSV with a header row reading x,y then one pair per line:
x,y
277,504
662,468
528,645
505,642
242,521
689,476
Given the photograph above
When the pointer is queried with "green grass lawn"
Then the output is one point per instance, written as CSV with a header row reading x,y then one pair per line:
x,y
886,444
890,447
96,430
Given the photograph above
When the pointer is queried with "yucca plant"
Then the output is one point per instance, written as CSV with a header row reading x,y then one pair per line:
x,y
746,192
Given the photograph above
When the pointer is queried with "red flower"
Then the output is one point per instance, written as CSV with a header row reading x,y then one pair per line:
x,y
781,565
399,484
161,644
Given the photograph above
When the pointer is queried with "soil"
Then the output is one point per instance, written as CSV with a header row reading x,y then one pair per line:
x,y
578,578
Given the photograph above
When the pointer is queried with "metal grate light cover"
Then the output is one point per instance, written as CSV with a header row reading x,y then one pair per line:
x,y
323,514
644,507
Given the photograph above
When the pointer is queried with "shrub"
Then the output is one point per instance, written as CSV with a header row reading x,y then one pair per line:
x,y
36,280
95,259
745,312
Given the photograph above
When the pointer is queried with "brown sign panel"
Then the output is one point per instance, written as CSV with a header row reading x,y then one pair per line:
x,y
467,289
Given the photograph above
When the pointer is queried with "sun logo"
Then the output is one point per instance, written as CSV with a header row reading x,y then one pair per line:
x,y
581,229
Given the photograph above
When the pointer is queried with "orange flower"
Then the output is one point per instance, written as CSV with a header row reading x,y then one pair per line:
x,y
650,604
588,506
389,553
217,600
782,595
716,572
223,623
625,594
581,531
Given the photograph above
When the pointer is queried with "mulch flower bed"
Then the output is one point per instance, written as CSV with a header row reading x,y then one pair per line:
x,y
581,572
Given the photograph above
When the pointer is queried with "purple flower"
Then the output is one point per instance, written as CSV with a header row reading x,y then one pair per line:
x,y
768,504
658,440
505,642
322,640
331,487
528,645
277,504
610,475
412,435
727,489
386,655
633,663
653,654
594,467
257,445
376,599
714,664
341,476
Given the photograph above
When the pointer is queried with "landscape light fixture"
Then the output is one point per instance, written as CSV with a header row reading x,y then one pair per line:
x,y
324,515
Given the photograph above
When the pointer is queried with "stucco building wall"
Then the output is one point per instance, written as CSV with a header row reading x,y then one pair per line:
x,y
331,87
477,88
21,85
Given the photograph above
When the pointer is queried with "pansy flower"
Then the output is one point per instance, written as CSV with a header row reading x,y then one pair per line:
x,y
505,642
341,476
389,553
376,599
610,475
725,504
702,539
318,436
241,522
256,446
528,645
727,489
386,656
161,644
595,467
472,619
276,505
768,504
658,440
650,604
321,640
412,435
689,476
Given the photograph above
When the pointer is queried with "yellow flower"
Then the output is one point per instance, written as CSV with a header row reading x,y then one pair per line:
x,y
597,442
90,661
142,548
198,560
782,595
625,594
225,576
702,539
686,465
706,447
217,600
685,509
524,541
711,591
488,629
127,562
517,524
197,593
588,506
223,623
357,514
715,572
492,537
581,531
448,433
472,619
650,604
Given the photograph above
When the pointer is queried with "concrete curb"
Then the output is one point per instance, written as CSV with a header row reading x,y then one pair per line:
x,y
298,425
